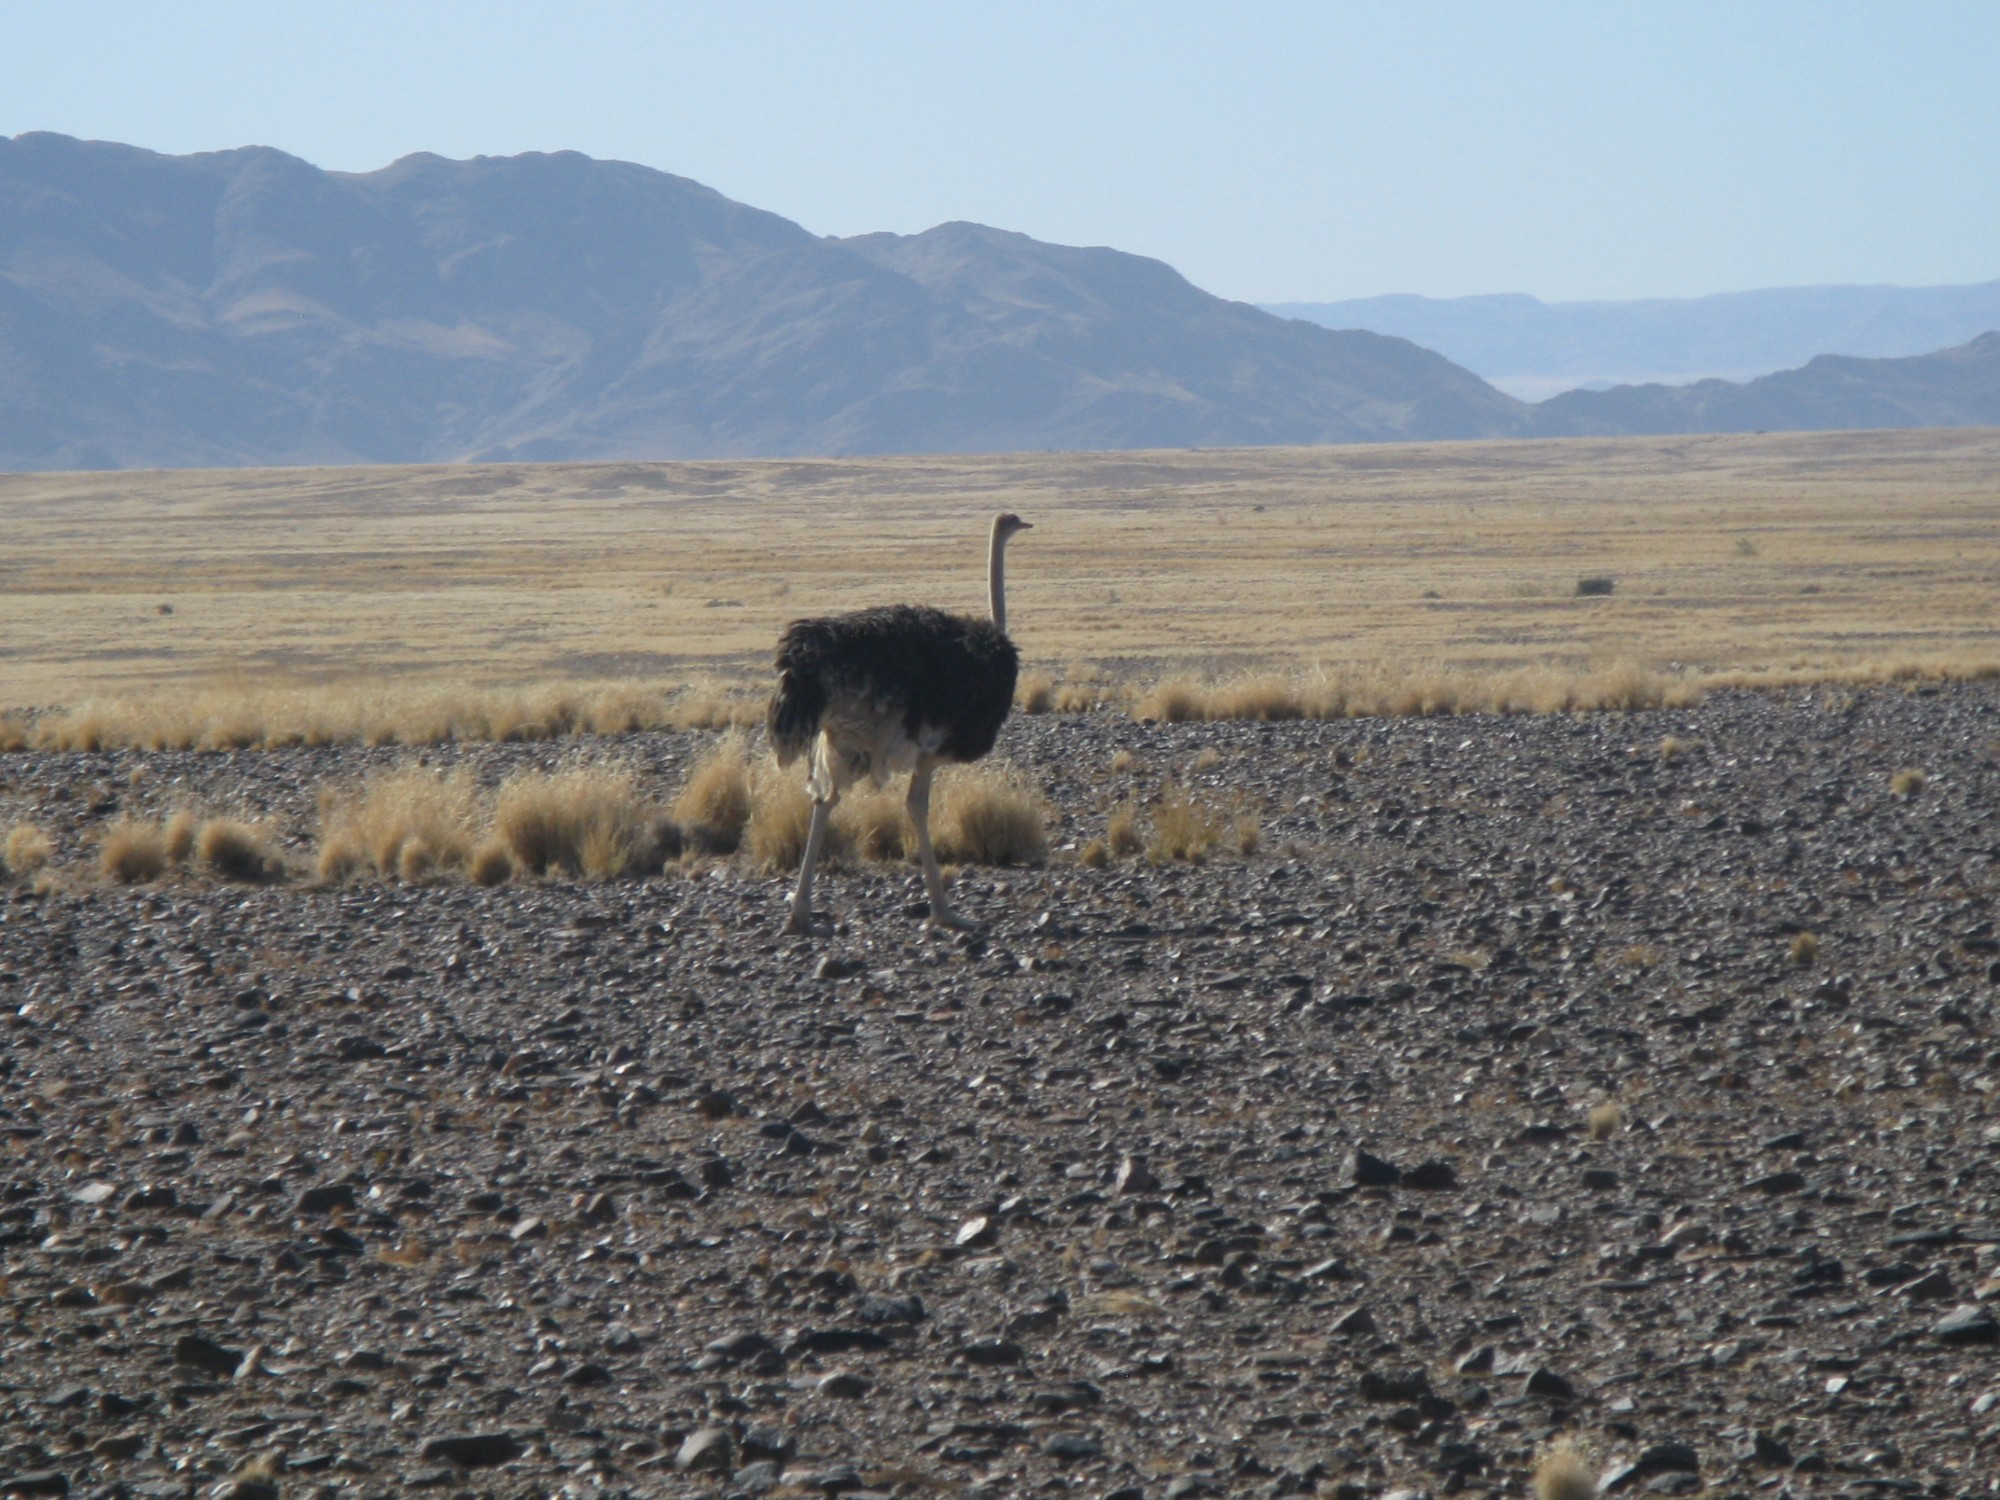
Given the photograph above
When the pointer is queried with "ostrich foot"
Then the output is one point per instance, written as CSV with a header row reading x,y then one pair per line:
x,y
801,924
944,916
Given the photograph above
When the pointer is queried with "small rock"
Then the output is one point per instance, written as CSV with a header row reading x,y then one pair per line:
x,y
1599,1179
1394,1385
1777,1183
1364,1170
843,1385
1431,1177
877,1308
1546,1383
1357,1320
41,1482
705,1448
992,1352
324,1199
1075,1447
205,1354
1134,1176
1968,1323
976,1234
91,1194
473,1450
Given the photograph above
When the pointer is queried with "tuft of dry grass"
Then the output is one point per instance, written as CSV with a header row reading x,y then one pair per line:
x,y
780,818
1176,701
1123,762
714,808
1805,950
990,817
491,864
235,851
1908,782
1094,855
179,833
587,821
1563,1473
131,852
874,825
1424,692
246,716
1121,831
1672,747
1246,832
434,817
1605,1120
26,849
1079,695
1036,694
14,733
1184,829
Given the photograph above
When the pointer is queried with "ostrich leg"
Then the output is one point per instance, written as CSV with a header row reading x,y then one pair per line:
x,y
919,804
800,923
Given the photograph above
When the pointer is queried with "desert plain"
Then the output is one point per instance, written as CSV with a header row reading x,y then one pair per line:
x,y
1476,1103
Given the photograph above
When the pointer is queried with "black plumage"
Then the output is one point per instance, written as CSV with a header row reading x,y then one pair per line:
x,y
948,678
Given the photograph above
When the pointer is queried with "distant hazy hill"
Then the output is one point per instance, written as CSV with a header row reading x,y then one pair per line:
x,y
245,307
1951,388
1535,349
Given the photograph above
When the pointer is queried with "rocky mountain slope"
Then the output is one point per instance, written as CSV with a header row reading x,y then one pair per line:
x,y
244,307
1951,388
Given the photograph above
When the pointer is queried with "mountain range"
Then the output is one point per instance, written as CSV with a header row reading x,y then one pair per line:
x,y
1534,349
246,307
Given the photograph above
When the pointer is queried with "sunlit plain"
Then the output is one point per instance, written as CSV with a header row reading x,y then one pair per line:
x,y
1803,553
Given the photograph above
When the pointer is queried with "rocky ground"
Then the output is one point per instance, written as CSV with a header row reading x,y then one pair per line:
x,y
1270,1176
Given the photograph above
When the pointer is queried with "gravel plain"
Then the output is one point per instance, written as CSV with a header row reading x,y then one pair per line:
x,y
1273,1175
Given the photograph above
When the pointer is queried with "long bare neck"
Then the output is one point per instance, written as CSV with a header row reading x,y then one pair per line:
x,y
996,577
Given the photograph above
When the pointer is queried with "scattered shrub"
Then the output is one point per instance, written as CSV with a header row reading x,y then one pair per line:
x,y
1564,1474
179,835
13,733
235,851
491,864
1094,855
1594,588
1121,831
589,821
1908,782
372,827
1035,695
874,824
1805,950
1246,832
1183,829
1175,702
714,807
1124,762
1605,1120
988,817
26,850
132,852
780,818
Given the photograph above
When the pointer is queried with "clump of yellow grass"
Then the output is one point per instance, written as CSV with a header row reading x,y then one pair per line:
x,y
989,816
409,823
26,849
1185,829
591,822
1416,692
237,851
246,717
132,852
714,806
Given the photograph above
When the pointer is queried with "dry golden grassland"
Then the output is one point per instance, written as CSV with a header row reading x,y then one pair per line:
x,y
407,604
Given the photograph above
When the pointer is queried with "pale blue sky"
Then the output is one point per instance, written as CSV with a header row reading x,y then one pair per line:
x,y
1283,151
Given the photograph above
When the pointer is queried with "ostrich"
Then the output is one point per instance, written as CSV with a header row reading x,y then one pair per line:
x,y
900,687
